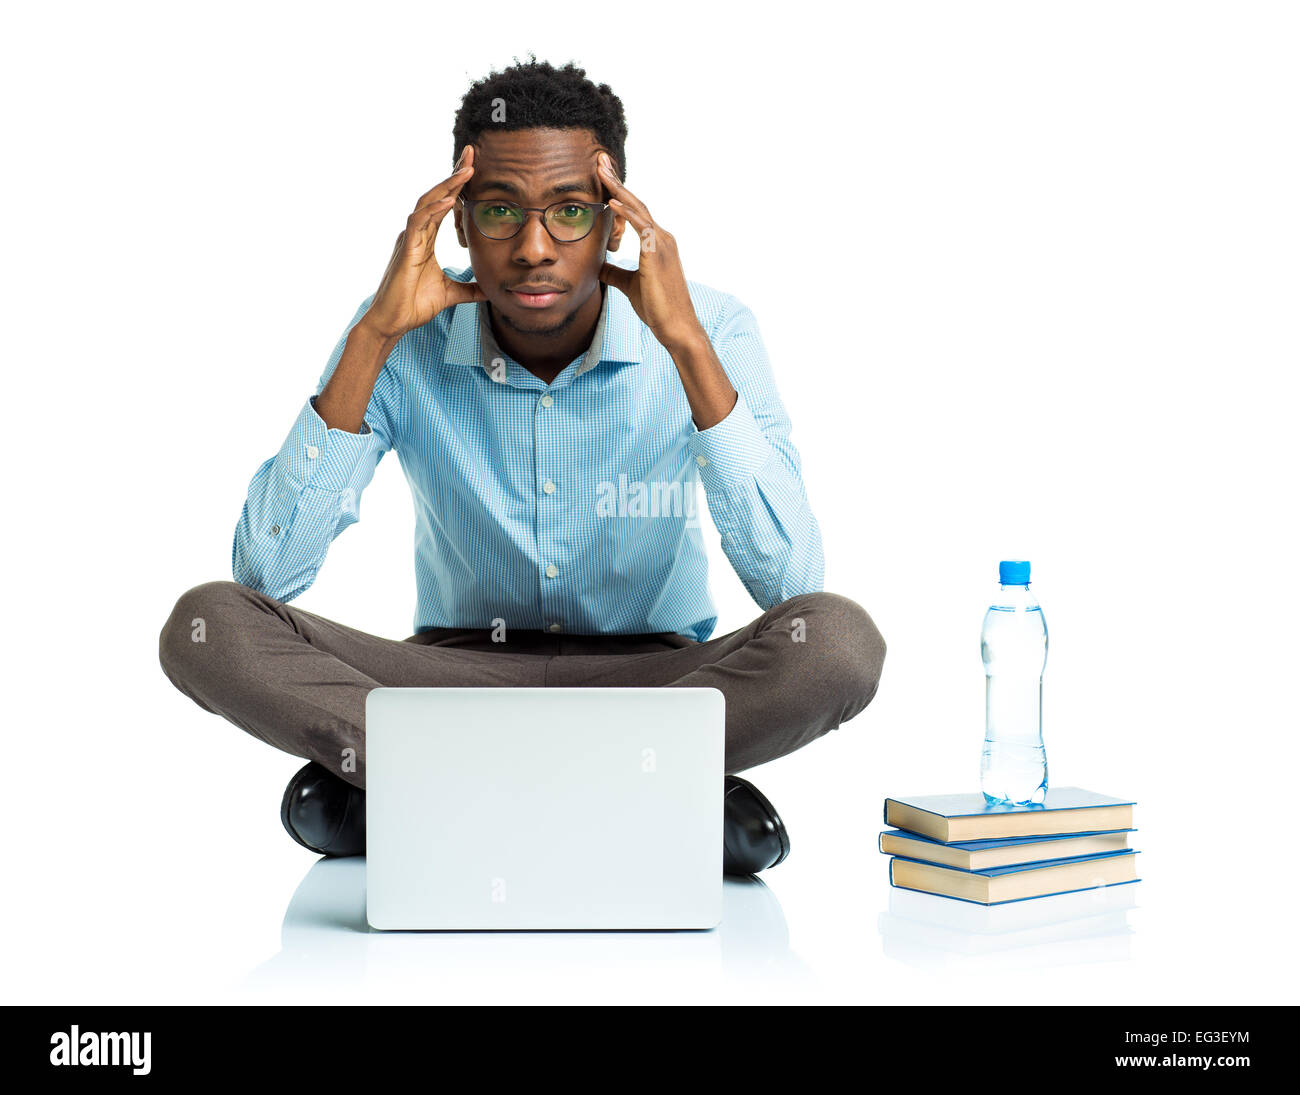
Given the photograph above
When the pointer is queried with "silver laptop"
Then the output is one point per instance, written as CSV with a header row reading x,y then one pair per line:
x,y
544,808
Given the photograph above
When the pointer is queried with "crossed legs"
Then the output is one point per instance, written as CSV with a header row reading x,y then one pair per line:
x,y
299,681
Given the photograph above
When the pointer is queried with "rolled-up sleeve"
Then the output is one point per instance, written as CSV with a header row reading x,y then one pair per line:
x,y
751,476
301,499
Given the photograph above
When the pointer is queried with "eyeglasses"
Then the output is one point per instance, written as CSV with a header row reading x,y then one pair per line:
x,y
566,221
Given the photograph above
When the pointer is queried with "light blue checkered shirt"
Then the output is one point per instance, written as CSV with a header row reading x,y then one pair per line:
x,y
568,507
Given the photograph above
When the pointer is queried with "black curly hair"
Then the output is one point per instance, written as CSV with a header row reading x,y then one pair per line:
x,y
537,94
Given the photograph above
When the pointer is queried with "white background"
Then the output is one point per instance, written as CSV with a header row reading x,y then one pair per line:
x,y
1027,273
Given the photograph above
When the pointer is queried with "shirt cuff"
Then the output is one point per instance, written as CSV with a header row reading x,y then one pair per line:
x,y
324,458
730,452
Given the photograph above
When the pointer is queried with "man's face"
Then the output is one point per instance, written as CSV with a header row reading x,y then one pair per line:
x,y
536,168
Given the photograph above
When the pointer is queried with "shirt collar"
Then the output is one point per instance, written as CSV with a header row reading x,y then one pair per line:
x,y
470,341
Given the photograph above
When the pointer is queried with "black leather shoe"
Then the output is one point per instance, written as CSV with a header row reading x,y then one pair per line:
x,y
324,813
753,834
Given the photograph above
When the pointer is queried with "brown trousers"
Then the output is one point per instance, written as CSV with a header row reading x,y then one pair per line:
x,y
299,681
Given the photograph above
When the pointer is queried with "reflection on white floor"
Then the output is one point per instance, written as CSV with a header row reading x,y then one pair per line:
x,y
931,932
326,943
329,953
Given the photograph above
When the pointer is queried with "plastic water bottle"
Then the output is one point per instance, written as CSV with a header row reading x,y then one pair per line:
x,y
1013,645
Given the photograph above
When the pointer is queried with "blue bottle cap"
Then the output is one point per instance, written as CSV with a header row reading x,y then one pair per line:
x,y
1013,573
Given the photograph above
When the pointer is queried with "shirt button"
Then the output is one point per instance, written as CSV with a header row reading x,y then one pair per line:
x,y
701,460
548,487
312,452
552,570
555,627
547,401
275,530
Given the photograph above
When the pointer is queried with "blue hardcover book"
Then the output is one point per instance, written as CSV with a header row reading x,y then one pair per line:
x,y
1020,882
975,855
950,819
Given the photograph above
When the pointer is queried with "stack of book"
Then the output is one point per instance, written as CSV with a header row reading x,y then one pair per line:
x,y
959,846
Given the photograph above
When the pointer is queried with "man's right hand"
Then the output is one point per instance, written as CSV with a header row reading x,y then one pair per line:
x,y
414,288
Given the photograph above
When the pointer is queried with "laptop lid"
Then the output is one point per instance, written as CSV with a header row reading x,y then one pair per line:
x,y
544,808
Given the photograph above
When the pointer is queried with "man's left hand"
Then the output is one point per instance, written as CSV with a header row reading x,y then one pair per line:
x,y
657,289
